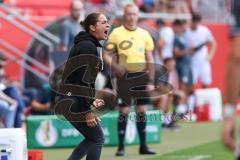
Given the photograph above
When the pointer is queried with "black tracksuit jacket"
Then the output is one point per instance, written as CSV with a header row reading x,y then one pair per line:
x,y
83,54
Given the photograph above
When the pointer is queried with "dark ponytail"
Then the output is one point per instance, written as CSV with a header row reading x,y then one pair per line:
x,y
91,19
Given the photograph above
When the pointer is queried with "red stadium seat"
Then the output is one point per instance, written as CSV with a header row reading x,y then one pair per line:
x,y
35,155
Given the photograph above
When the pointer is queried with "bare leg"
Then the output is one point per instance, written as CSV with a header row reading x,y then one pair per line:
x,y
231,94
233,72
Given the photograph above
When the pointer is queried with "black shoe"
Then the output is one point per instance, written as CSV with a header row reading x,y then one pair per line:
x,y
164,125
120,152
146,151
170,127
173,126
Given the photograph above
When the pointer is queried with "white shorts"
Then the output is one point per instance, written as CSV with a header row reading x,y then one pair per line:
x,y
202,72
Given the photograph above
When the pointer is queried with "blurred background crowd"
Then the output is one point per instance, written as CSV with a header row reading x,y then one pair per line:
x,y
173,24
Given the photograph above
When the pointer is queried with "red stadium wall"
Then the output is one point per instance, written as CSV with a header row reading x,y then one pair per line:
x,y
19,39
218,63
41,8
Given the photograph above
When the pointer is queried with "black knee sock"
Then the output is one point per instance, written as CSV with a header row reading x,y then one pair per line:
x,y
141,126
122,123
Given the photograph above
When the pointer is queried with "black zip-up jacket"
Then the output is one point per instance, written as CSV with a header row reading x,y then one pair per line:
x,y
84,53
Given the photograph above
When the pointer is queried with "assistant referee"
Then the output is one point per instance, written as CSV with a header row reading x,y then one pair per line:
x,y
133,47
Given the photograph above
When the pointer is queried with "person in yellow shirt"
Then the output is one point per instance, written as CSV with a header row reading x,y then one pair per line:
x,y
133,47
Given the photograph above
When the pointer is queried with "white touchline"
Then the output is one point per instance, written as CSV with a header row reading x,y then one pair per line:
x,y
200,157
189,157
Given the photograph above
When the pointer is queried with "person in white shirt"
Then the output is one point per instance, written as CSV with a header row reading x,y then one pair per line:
x,y
166,45
199,38
166,39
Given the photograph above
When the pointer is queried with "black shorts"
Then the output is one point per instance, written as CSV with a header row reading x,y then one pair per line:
x,y
131,89
184,72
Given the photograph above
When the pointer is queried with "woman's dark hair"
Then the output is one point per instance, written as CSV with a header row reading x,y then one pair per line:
x,y
196,17
177,22
160,22
91,19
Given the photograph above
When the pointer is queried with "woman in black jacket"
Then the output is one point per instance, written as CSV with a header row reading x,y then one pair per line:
x,y
86,50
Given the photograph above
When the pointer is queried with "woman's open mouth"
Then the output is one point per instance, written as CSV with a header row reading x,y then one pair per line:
x,y
106,32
